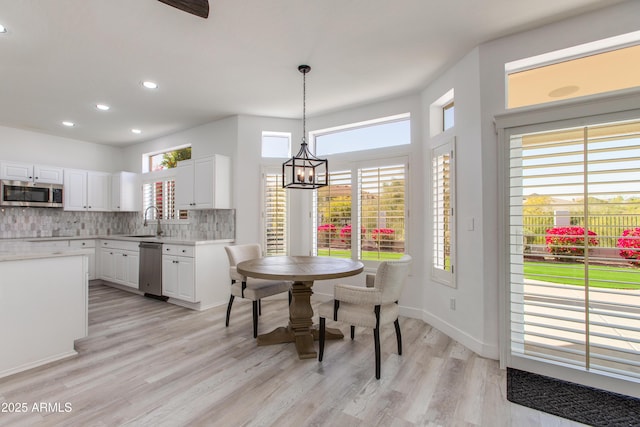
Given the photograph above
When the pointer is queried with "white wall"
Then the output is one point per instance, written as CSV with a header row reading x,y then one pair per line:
x,y
467,323
218,137
33,147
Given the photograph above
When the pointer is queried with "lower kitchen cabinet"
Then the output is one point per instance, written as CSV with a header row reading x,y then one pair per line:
x,y
178,275
120,262
87,244
195,276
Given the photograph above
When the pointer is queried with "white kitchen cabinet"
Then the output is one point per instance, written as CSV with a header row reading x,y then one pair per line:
x,y
86,190
204,183
124,192
178,272
196,276
119,262
31,173
87,244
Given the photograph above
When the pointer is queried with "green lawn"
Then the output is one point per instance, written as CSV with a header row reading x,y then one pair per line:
x,y
366,255
573,274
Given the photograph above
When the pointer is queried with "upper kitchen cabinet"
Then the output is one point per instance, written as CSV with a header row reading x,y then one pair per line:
x,y
124,194
31,173
86,190
204,183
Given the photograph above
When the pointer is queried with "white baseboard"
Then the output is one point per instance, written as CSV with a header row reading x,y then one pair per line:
x,y
478,347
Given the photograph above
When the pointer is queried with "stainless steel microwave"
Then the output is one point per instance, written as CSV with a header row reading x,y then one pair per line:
x,y
19,193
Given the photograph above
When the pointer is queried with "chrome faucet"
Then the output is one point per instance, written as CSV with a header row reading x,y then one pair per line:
x,y
158,228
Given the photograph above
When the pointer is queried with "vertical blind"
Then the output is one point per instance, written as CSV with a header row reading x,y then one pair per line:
x,y
574,224
275,215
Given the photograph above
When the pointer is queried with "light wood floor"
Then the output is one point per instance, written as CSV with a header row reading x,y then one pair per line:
x,y
149,363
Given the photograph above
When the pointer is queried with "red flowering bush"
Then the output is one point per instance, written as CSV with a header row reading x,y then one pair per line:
x,y
345,234
326,233
629,244
382,234
568,240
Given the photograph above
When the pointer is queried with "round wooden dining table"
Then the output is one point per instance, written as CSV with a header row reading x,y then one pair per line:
x,y
303,271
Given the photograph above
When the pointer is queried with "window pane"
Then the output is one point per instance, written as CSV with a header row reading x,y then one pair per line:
x,y
596,73
276,145
386,134
275,215
333,216
168,159
382,212
448,113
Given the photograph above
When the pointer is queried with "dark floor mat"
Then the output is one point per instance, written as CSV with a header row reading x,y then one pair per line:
x,y
572,401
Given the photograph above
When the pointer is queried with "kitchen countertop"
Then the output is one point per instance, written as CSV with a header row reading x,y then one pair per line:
x,y
33,247
21,250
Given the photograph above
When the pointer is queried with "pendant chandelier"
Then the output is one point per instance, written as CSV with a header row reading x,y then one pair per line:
x,y
304,170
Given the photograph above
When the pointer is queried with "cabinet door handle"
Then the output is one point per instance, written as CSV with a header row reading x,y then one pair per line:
x,y
125,255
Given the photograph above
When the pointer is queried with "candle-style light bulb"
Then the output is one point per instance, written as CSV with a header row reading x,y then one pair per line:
x,y
310,175
300,175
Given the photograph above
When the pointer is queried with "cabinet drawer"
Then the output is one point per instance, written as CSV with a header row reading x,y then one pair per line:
x,y
83,243
120,244
178,250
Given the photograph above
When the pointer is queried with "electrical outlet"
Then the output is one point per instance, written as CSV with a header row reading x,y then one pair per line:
x,y
452,303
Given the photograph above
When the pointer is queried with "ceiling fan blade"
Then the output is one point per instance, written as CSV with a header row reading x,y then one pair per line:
x,y
195,7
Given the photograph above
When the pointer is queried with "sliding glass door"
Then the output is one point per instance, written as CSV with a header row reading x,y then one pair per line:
x,y
574,248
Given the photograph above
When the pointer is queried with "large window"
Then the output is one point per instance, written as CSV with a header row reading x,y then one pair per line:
x,y
361,214
574,261
274,214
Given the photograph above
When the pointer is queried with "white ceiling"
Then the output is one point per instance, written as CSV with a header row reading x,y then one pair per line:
x,y
61,57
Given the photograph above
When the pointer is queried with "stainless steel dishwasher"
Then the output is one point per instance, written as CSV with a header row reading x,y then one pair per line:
x,y
150,275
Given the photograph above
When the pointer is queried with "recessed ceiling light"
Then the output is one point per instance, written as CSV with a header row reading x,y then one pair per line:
x,y
137,131
69,124
150,85
102,107
2,29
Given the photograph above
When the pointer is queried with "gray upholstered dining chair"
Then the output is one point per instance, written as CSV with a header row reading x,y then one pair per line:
x,y
372,306
249,287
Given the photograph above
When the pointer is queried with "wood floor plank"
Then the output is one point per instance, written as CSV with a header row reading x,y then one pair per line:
x,y
149,363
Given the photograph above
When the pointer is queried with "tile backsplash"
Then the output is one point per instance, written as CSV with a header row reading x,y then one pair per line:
x,y
16,222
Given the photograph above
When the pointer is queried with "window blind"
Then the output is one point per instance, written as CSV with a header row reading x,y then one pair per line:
x,y
575,247
382,211
275,215
332,236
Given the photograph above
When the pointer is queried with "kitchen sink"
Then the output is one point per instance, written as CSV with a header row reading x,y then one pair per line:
x,y
140,235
